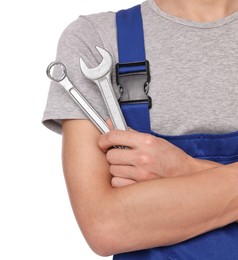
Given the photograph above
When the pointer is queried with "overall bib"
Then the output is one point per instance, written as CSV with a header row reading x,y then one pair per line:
x,y
220,244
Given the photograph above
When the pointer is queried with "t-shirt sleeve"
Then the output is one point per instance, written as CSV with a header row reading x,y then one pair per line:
x,y
78,40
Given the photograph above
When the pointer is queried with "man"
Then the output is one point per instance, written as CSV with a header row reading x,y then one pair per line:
x,y
157,194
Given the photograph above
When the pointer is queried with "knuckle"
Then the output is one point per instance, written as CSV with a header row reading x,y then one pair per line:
x,y
149,140
143,174
146,174
112,136
144,159
102,142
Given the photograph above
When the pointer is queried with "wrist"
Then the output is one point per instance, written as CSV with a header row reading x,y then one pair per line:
x,y
199,165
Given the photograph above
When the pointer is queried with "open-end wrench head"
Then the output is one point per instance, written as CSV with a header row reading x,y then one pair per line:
x,y
101,70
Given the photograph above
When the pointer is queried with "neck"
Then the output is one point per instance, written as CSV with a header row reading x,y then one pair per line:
x,y
199,10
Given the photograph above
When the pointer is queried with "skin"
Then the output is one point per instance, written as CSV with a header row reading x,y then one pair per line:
x,y
199,10
141,162
137,198
148,213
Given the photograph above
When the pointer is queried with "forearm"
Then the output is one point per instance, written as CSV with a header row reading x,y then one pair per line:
x,y
167,211
202,165
146,214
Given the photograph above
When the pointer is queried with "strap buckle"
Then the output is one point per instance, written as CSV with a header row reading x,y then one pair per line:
x,y
133,80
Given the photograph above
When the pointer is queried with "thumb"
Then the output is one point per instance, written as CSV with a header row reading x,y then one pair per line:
x,y
109,123
111,127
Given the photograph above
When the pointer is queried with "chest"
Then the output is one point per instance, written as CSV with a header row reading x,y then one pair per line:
x,y
194,81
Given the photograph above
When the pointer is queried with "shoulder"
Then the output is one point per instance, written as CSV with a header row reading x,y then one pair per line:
x,y
102,20
89,26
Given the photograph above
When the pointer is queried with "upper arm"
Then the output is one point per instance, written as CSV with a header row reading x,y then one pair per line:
x,y
86,173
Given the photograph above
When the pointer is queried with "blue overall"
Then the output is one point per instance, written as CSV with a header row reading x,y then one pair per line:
x,y
220,244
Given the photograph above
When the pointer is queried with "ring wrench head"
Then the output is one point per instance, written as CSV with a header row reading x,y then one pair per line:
x,y
101,70
56,71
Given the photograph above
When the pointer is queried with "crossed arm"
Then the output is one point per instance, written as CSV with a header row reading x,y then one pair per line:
x,y
173,197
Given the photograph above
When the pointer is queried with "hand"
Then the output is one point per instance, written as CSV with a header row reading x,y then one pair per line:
x,y
146,158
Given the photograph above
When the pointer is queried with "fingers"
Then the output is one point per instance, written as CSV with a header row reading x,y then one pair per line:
x,y
132,173
121,182
121,171
129,138
121,156
125,163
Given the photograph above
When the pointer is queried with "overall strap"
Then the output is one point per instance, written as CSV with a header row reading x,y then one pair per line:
x,y
132,71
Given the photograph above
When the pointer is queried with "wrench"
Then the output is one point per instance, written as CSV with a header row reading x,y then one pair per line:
x,y
60,76
101,76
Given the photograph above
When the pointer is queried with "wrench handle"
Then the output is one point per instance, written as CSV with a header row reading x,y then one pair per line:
x,y
87,108
111,102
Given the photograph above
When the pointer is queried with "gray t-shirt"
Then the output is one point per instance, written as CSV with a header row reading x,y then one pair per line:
x,y
194,71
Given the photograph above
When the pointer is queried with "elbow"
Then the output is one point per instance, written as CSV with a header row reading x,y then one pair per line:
x,y
102,228
101,247
101,238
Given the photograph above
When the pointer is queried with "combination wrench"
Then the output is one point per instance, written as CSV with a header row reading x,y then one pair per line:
x,y
57,72
101,76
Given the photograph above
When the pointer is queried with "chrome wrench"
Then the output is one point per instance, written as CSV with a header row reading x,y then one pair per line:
x,y
101,76
60,76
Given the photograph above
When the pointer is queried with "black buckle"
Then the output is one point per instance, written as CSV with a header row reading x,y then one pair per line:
x,y
134,86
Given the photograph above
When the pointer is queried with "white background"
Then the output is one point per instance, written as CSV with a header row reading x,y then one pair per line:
x,y
36,220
